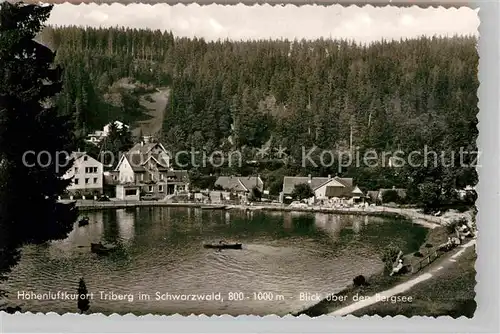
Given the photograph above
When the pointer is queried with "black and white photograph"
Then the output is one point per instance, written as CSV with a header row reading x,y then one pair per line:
x,y
238,160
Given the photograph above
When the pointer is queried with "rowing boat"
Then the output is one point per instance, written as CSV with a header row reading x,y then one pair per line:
x,y
223,246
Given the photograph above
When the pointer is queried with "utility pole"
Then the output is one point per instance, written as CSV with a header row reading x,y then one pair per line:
x,y
350,139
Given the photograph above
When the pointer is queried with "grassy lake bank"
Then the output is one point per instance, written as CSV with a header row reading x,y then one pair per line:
x,y
438,296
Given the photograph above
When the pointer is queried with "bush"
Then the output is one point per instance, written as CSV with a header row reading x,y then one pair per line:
x,y
391,196
418,254
302,191
359,280
450,228
390,255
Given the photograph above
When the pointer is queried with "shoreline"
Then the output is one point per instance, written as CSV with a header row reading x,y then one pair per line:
x,y
415,217
434,224
380,283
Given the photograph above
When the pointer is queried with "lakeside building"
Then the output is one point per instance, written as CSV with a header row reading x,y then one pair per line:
x,y
239,185
146,167
324,188
86,174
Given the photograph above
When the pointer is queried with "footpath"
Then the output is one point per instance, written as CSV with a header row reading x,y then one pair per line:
x,y
403,287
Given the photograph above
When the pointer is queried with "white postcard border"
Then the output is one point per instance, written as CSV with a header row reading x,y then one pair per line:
x,y
487,265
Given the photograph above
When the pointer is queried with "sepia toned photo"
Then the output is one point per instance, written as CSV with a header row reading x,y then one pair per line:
x,y
238,160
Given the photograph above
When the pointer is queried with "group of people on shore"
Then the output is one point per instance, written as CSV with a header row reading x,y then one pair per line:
x,y
463,230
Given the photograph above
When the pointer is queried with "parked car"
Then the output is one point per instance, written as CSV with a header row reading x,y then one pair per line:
x,y
103,198
149,197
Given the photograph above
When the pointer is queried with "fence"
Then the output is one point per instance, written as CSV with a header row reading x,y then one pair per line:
x,y
424,262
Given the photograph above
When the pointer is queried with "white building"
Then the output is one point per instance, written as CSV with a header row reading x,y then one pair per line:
x,y
119,125
86,174
97,136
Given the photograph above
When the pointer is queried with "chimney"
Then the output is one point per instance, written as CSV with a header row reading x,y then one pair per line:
x,y
329,176
309,178
393,187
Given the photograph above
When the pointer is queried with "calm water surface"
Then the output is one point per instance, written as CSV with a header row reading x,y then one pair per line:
x,y
160,250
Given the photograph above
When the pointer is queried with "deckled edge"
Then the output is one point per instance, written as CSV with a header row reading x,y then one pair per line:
x,y
298,3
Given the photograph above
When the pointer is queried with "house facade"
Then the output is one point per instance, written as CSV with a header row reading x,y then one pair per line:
x,y
86,174
323,187
147,166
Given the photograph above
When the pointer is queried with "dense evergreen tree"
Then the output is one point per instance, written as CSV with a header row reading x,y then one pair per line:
x,y
30,127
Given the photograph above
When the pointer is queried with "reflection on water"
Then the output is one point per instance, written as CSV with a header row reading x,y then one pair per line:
x,y
160,249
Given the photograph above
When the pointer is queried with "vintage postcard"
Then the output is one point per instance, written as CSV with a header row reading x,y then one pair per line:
x,y
238,160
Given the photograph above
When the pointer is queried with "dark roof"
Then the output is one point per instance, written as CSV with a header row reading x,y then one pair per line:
x,y
372,194
145,148
239,183
147,156
77,155
145,162
401,192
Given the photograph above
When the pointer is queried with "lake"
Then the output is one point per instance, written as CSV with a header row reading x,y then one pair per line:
x,y
160,253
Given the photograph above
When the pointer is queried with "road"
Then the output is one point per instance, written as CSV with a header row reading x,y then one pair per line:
x,y
157,108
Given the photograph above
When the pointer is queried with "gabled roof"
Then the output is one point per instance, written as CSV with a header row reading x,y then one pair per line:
x,y
400,191
78,155
145,148
357,191
239,183
289,182
140,156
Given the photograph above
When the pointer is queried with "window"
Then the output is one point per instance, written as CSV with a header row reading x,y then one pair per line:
x,y
114,177
142,177
161,176
76,170
87,181
130,192
76,181
150,189
151,176
160,188
95,180
85,158
91,170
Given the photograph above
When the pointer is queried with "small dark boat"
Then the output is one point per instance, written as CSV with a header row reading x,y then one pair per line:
x,y
99,248
223,246
84,221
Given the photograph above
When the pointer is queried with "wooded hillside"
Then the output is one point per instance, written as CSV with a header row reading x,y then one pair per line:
x,y
389,95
